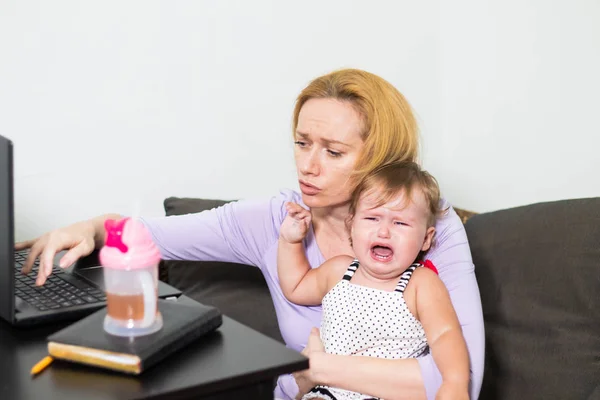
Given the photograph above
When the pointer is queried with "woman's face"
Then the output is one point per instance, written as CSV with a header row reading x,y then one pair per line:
x,y
327,145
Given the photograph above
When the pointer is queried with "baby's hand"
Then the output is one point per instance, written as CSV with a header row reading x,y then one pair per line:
x,y
296,223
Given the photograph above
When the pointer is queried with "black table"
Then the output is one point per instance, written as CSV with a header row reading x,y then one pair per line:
x,y
234,362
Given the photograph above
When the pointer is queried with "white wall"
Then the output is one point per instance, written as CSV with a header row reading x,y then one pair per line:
x,y
115,105
520,90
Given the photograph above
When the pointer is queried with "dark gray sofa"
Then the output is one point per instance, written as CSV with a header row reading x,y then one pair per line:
x,y
538,269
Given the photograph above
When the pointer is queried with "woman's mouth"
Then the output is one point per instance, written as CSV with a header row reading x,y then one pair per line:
x,y
382,253
308,189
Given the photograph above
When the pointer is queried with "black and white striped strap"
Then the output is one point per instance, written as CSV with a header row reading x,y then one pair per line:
x,y
405,277
351,270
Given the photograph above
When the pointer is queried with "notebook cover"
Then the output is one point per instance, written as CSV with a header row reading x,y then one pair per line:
x,y
182,324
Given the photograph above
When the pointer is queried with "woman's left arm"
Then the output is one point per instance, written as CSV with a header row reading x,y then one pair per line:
x,y
452,257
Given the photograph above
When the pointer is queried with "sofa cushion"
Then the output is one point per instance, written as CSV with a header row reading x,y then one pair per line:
x,y
538,269
238,290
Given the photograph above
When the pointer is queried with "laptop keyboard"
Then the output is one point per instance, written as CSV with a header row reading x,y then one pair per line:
x,y
61,290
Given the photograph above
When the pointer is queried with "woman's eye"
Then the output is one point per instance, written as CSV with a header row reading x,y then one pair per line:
x,y
371,218
334,153
300,143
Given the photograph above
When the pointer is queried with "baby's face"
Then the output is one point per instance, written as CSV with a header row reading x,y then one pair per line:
x,y
388,238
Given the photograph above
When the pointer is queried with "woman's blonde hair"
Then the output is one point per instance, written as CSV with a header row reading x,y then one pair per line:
x,y
390,132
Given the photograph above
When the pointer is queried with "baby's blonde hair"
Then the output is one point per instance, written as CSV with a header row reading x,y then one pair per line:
x,y
391,179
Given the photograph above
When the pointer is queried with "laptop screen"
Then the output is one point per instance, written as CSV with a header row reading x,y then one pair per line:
x,y
6,230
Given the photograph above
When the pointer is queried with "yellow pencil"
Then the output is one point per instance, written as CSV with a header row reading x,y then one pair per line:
x,y
41,365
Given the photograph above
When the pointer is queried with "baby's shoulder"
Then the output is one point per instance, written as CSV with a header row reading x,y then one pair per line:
x,y
339,263
423,276
336,267
424,273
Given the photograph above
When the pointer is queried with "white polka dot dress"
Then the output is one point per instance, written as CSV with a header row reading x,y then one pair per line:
x,y
363,321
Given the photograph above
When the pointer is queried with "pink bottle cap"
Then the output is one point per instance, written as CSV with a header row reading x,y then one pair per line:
x,y
128,245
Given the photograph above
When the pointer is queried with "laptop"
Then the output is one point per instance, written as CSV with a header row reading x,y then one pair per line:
x,y
67,294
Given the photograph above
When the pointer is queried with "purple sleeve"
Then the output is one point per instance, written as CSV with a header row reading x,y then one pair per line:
x,y
237,232
452,257
287,388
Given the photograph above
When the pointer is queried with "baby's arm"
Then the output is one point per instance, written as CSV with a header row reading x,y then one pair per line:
x,y
299,283
444,334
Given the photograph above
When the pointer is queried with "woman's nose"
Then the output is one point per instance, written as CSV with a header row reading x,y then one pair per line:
x,y
309,165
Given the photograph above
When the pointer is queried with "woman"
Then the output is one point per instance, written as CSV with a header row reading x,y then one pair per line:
x,y
345,124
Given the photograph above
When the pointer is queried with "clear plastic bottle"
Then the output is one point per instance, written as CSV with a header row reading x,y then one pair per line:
x,y
130,261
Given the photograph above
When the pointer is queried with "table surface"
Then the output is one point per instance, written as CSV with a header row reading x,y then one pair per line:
x,y
231,357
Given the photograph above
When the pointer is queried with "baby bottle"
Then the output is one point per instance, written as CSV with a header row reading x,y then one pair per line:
x,y
130,263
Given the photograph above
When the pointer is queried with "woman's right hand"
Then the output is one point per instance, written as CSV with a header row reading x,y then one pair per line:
x,y
78,238
305,379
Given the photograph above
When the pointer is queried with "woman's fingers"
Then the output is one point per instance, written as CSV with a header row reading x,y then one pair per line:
x,y
36,250
53,245
304,352
314,340
46,264
25,245
81,250
76,238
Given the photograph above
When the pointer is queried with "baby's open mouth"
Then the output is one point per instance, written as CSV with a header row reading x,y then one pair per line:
x,y
381,253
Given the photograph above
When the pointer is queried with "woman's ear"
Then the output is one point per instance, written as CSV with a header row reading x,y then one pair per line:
x,y
428,238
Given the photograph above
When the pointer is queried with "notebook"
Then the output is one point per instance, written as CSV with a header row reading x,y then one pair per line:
x,y
86,342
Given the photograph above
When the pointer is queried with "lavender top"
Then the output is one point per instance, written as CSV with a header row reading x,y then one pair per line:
x,y
247,231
